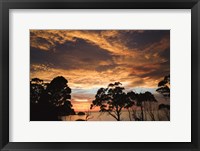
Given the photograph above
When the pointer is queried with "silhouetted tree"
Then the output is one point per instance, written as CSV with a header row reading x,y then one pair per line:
x,y
164,89
166,109
58,92
164,86
142,98
53,99
88,115
164,106
151,110
65,109
37,87
111,100
130,106
58,95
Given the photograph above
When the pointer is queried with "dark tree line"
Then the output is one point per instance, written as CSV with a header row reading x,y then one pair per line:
x,y
50,100
114,99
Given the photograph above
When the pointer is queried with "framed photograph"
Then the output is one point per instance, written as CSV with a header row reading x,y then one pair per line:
x,y
99,75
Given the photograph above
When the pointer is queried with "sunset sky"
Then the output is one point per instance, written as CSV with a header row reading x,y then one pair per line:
x,y
91,59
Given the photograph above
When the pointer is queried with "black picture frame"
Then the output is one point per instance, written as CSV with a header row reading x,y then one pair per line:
x,y
5,5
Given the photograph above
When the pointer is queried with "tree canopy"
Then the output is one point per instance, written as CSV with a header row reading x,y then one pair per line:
x,y
164,89
111,100
50,100
164,86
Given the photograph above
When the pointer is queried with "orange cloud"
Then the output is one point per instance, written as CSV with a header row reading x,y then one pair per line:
x,y
81,106
105,56
161,45
46,39
88,79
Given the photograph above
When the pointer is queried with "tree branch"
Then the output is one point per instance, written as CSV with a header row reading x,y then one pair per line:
x,y
112,115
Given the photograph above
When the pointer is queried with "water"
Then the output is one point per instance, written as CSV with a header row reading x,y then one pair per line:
x,y
97,116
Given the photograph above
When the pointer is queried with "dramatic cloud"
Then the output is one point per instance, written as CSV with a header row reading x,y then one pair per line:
x,y
90,59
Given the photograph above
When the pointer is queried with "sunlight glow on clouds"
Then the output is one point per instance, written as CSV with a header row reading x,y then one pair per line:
x,y
90,59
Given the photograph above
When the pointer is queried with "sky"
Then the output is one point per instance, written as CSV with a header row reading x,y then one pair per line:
x,y
91,59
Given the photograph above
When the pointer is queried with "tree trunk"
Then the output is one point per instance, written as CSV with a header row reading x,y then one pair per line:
x,y
167,115
129,113
142,113
118,116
